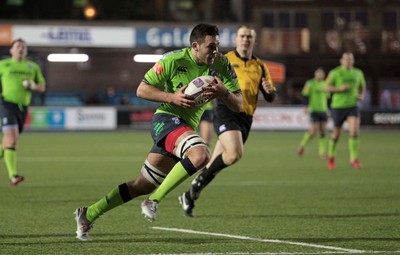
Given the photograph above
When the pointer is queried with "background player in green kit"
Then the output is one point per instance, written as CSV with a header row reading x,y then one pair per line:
x,y
178,150
19,77
317,106
348,86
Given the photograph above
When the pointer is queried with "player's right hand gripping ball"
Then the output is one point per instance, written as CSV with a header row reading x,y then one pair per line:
x,y
194,89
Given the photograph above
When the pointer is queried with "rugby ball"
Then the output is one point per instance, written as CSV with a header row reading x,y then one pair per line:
x,y
194,89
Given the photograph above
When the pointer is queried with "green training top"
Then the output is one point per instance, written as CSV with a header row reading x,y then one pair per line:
x,y
12,74
354,77
177,69
317,96
209,106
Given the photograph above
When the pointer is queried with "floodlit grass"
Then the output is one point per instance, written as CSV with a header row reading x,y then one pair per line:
x,y
271,194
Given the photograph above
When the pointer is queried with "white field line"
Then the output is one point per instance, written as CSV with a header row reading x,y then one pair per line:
x,y
261,240
277,253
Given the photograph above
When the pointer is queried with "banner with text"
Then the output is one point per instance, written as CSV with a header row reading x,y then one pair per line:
x,y
108,36
91,118
71,118
283,118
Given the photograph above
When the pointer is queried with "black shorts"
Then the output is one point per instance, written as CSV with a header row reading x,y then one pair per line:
x,y
208,115
316,117
13,114
339,115
161,125
225,120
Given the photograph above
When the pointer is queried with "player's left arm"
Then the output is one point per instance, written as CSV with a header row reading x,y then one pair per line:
x,y
267,87
217,89
361,87
38,83
38,87
226,86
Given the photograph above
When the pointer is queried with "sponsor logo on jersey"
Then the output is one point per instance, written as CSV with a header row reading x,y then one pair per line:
x,y
176,120
158,69
222,128
158,127
182,69
213,72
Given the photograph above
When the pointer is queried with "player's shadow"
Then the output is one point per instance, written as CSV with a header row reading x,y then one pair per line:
x,y
103,238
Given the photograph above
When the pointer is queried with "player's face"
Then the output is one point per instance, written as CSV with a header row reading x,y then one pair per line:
x,y
347,60
245,39
19,50
319,75
206,52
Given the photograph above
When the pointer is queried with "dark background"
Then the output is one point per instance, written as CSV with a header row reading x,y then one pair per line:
x,y
371,29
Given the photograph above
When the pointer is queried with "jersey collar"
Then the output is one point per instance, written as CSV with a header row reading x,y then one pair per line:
x,y
244,59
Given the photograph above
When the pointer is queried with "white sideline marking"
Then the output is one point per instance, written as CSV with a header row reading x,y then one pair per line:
x,y
276,253
262,240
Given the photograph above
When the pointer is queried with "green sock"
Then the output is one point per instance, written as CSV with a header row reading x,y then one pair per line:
x,y
306,138
117,196
353,147
332,148
10,158
177,175
1,151
322,145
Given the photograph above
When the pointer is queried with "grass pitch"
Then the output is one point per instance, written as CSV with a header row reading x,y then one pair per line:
x,y
271,202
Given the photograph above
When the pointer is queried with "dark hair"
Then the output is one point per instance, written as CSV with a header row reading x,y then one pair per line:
x,y
17,40
200,32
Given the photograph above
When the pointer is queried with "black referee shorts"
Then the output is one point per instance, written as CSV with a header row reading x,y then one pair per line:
x,y
225,120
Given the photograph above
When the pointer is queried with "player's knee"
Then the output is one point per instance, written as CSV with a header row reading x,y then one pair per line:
x,y
199,156
232,157
335,134
353,132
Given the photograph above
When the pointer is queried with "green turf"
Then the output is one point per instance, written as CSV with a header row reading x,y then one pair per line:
x,y
269,194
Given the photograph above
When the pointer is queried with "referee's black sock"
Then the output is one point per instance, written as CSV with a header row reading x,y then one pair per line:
x,y
209,173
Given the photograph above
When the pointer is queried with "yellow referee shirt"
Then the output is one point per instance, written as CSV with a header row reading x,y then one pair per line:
x,y
249,73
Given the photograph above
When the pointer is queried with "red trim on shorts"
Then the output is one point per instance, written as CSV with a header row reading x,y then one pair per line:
x,y
171,138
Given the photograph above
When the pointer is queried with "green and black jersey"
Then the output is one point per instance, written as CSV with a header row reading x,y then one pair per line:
x,y
12,74
353,77
179,68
